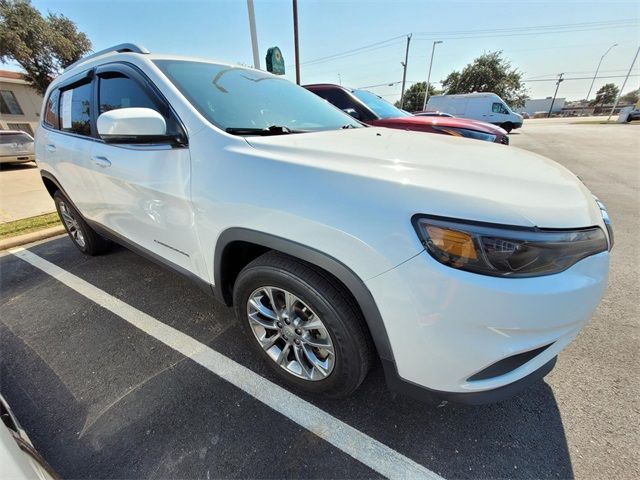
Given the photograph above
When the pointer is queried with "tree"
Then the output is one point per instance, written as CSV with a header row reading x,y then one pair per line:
x,y
414,96
632,97
489,73
42,46
606,95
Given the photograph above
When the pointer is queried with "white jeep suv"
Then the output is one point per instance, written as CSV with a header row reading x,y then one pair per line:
x,y
464,266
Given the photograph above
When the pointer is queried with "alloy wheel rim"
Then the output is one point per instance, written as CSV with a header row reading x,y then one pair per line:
x,y
291,333
72,225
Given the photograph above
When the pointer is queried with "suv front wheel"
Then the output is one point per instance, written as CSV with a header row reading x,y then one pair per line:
x,y
305,327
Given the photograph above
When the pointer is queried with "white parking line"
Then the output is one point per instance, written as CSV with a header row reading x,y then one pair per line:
x,y
360,446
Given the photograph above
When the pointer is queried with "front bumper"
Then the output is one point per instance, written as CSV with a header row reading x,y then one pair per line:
x,y
447,325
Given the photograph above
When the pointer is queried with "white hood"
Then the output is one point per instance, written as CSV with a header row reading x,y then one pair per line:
x,y
452,176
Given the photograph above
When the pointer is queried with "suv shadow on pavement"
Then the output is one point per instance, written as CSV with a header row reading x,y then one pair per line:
x,y
174,418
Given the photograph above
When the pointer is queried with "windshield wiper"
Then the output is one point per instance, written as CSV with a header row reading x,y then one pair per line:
x,y
271,130
348,125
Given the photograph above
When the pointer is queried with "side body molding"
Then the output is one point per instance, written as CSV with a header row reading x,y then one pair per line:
x,y
319,259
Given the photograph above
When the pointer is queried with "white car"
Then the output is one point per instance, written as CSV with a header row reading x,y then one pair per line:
x,y
464,266
16,147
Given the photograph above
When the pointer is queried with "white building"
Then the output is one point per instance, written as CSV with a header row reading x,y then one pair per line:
x,y
534,105
19,103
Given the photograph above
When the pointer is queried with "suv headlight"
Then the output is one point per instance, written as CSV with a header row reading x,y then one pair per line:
x,y
506,251
465,132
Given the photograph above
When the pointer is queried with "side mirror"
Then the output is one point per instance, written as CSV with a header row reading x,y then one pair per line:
x,y
353,112
132,125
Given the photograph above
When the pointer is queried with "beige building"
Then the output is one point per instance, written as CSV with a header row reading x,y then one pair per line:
x,y
19,103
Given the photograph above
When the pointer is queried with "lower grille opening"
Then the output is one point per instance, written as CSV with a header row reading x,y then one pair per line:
x,y
507,365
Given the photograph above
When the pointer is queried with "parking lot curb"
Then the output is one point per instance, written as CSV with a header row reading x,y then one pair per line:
x,y
31,237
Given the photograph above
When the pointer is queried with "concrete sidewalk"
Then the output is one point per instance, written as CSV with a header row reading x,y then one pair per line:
x,y
22,193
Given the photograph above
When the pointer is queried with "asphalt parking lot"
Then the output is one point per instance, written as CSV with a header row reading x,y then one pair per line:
x,y
104,392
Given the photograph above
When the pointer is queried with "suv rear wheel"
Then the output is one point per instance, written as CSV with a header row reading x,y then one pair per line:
x,y
305,327
82,235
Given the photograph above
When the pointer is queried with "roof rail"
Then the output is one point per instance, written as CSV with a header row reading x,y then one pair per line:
x,y
121,48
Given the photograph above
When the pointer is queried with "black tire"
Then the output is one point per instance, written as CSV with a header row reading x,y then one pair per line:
x,y
508,126
92,244
354,350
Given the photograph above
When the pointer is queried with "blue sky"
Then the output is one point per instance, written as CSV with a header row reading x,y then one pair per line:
x,y
219,29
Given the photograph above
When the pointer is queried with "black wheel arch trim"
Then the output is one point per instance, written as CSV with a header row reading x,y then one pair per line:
x,y
348,277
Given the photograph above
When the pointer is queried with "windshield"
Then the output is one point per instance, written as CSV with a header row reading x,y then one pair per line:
x,y
19,138
246,102
381,107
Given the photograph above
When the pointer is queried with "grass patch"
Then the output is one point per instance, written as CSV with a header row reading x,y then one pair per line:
x,y
27,225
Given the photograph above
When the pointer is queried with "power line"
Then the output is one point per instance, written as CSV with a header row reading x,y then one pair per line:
x,y
499,35
489,33
390,84
575,78
562,26
369,47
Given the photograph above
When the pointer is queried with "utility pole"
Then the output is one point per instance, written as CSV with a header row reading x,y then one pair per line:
x,y
555,94
254,36
295,40
598,68
426,93
623,84
404,72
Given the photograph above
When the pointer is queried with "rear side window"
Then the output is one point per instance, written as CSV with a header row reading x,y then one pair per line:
x,y
118,91
75,110
51,112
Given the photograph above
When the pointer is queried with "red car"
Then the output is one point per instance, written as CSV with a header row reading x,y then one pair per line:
x,y
374,110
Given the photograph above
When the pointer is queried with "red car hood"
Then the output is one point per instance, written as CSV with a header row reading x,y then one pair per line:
x,y
415,122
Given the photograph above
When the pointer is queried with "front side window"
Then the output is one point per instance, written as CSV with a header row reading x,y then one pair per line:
x,y
238,99
9,104
75,106
119,91
498,107
51,112
381,107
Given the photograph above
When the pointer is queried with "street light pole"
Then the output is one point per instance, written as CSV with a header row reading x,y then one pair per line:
x,y
624,84
426,93
254,36
556,93
598,69
295,40
404,72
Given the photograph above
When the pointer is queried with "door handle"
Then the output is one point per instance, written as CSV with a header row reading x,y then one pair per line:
x,y
102,162
51,147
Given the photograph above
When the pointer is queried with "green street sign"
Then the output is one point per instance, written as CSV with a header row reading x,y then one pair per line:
x,y
275,62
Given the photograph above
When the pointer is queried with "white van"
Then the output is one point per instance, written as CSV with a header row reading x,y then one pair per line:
x,y
487,107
